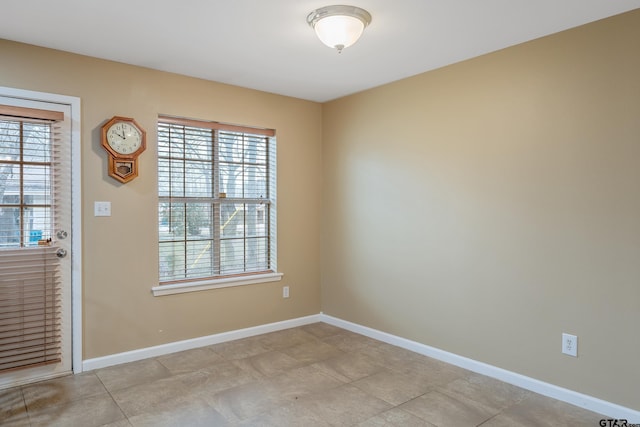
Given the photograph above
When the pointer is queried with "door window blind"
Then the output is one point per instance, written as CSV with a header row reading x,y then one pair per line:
x,y
32,153
29,308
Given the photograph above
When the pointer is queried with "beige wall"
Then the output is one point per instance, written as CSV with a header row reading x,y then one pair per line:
x,y
489,206
120,256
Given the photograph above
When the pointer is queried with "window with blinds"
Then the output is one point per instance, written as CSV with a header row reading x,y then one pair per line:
x,y
217,193
29,277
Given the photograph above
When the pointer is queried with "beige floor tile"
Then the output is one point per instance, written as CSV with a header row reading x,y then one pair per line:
x,y
392,355
427,364
267,364
345,405
393,387
130,374
300,382
536,410
348,367
408,362
445,411
215,378
190,360
62,390
574,415
312,351
17,421
431,371
194,413
291,415
491,394
240,349
249,400
245,401
350,342
321,329
13,410
503,420
285,338
395,418
120,423
152,396
90,412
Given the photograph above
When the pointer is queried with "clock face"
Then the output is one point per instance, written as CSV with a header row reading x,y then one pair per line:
x,y
124,138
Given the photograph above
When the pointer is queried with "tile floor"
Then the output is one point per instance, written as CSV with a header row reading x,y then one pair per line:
x,y
314,375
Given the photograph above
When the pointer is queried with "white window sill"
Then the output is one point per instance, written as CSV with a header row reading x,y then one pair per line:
x,y
203,285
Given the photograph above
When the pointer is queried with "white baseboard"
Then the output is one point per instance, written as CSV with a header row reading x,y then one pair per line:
x,y
578,399
159,350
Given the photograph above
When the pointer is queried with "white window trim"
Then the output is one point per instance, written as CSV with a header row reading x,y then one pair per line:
x,y
203,285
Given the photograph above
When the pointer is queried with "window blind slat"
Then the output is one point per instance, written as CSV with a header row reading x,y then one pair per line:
x,y
37,357
28,340
29,355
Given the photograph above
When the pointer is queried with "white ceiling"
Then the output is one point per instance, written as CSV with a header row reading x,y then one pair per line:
x,y
267,44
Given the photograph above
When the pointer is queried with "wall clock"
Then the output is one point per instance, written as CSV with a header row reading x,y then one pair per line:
x,y
124,140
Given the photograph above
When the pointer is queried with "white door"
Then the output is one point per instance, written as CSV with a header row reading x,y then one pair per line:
x,y
35,241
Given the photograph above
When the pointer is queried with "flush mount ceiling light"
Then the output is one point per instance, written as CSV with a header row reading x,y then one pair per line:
x,y
339,26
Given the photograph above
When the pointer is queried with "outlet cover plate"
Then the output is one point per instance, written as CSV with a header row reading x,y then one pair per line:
x,y
570,345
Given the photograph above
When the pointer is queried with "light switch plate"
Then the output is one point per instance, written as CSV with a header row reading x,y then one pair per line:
x,y
102,208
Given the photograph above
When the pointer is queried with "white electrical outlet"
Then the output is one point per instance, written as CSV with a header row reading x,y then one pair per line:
x,y
285,292
570,345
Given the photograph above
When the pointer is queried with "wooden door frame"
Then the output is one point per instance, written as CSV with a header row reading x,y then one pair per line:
x,y
76,211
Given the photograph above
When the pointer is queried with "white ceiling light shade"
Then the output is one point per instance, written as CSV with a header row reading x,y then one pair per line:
x,y
339,26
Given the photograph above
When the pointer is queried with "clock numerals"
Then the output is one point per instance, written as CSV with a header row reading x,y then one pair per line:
x,y
124,138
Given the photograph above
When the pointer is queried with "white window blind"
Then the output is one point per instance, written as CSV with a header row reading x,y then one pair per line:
x,y
31,166
217,200
29,308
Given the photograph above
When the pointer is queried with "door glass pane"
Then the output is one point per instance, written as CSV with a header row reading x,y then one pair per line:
x,y
9,140
9,227
25,183
36,224
9,184
37,142
36,184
